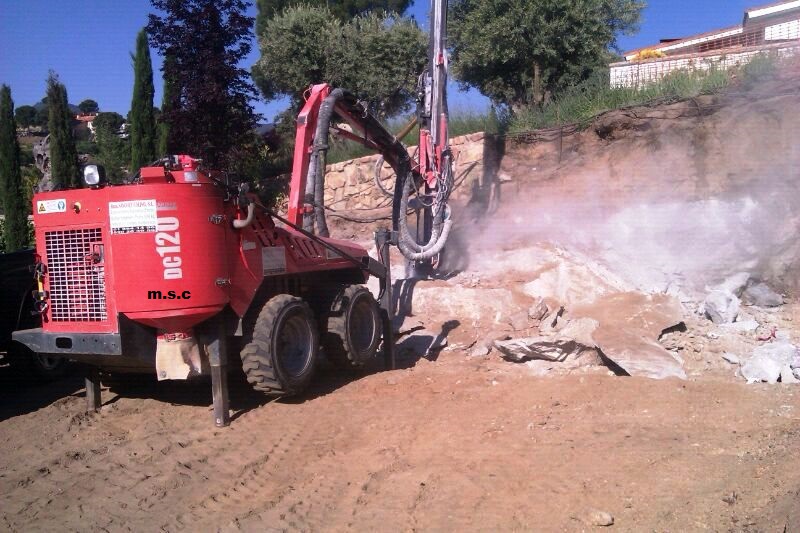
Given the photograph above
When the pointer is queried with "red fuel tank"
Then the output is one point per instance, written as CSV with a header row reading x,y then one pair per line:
x,y
153,251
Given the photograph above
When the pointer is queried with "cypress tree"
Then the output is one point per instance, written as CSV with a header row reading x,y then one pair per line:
x,y
143,120
169,103
63,155
209,39
15,230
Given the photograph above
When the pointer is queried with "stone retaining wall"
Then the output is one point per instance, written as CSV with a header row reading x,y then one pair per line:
x,y
350,185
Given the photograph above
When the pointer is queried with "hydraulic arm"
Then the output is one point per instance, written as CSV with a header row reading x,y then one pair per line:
x,y
423,184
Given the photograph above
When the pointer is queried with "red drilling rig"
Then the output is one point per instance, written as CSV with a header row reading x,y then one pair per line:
x,y
171,271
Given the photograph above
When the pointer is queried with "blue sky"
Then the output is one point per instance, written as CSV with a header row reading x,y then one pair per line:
x,y
88,43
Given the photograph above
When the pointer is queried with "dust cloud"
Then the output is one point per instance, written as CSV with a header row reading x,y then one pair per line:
x,y
644,208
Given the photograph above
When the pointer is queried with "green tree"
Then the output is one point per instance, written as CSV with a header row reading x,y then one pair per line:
x,y
63,156
208,39
15,228
169,102
88,106
42,115
109,122
376,57
519,52
113,152
344,10
142,116
295,53
25,116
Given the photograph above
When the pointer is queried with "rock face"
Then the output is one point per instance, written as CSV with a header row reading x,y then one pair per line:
x,y
351,184
697,196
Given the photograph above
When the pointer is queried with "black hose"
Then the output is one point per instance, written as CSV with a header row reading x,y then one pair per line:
x,y
378,183
310,193
397,156
319,152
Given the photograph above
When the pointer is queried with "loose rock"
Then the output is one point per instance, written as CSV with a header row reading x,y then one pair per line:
x,y
596,517
761,295
768,362
721,307
481,349
538,310
546,348
551,321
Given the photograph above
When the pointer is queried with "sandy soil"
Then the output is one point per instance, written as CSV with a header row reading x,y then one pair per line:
x,y
454,444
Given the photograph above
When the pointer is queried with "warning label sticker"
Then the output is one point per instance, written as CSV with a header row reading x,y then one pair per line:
x,y
133,216
44,207
273,260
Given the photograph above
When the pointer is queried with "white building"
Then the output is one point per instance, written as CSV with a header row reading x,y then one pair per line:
x,y
770,28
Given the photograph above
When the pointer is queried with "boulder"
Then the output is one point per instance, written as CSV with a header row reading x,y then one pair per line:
x,y
546,348
761,295
787,376
769,361
630,324
761,368
481,349
572,342
721,306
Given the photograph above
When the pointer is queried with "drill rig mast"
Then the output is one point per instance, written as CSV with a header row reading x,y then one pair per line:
x,y
423,184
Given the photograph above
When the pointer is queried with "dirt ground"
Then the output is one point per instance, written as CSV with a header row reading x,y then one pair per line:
x,y
455,444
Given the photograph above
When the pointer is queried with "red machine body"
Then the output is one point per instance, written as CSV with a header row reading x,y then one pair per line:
x,y
162,253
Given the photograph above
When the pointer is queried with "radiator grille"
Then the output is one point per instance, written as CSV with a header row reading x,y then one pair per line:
x,y
77,275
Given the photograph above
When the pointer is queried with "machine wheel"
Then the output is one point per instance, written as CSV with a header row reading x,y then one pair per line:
x,y
354,327
282,355
42,367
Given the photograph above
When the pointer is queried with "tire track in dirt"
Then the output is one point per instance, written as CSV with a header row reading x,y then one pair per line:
x,y
153,467
329,491
257,480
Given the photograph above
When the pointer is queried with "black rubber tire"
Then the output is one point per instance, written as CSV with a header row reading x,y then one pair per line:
x,y
354,327
40,367
264,358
